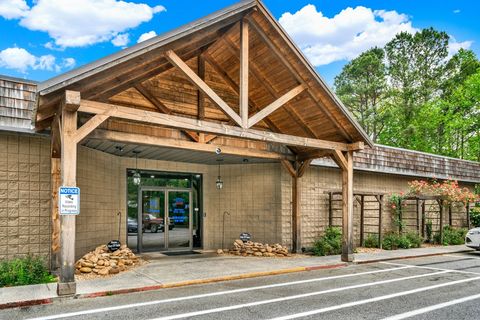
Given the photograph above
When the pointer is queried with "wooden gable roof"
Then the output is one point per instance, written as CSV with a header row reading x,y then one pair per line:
x,y
143,77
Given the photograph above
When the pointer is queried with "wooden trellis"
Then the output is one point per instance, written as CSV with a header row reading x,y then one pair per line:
x,y
363,198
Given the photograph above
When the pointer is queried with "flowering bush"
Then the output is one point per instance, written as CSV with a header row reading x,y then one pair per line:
x,y
448,191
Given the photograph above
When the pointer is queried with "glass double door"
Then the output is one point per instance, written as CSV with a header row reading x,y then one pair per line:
x,y
164,219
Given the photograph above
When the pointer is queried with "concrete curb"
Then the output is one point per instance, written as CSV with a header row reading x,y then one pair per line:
x,y
26,303
411,257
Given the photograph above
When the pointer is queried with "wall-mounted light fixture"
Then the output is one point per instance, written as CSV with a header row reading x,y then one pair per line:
x,y
137,178
219,182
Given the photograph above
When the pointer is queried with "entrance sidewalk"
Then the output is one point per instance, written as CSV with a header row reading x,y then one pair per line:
x,y
167,272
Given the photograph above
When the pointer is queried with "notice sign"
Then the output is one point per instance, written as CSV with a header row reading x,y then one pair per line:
x,y
69,200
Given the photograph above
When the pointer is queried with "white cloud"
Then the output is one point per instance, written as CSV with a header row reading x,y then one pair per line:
x,y
21,60
13,9
121,40
146,36
457,11
85,22
344,36
454,46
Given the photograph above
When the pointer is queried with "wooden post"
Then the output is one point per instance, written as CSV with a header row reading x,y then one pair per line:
x,y
400,218
423,218
450,220
362,218
380,212
296,242
66,284
441,220
468,215
330,209
55,184
347,208
244,43
418,215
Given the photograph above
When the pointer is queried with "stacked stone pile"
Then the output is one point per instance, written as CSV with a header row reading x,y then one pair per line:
x,y
103,262
256,249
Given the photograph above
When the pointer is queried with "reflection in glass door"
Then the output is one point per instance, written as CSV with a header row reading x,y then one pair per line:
x,y
152,210
180,220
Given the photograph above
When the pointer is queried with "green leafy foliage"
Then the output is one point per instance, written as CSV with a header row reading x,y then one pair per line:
x,y
23,271
371,241
410,94
475,216
394,241
330,243
451,236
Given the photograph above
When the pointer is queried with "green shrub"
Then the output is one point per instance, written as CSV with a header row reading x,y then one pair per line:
x,y
330,243
475,216
414,239
451,236
429,230
393,241
23,271
371,241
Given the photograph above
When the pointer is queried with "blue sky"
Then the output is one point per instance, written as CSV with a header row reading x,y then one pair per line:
x,y
40,39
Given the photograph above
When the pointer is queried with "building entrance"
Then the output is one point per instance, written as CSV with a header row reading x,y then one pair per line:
x,y
165,214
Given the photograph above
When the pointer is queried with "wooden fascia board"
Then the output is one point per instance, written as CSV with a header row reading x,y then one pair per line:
x,y
207,126
142,139
243,96
201,85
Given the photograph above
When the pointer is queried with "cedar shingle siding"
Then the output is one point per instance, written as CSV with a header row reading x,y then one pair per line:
x,y
17,102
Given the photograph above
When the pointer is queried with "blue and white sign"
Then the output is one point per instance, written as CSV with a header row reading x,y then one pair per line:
x,y
69,200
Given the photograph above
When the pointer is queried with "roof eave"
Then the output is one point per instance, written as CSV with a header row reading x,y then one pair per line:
x,y
63,80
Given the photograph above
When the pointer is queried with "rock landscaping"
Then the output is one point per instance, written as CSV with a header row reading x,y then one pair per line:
x,y
255,249
103,262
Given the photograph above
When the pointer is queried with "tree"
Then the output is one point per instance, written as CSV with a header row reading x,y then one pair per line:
x,y
416,70
362,87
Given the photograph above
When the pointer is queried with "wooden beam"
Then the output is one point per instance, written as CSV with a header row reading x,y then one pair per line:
x,y
272,107
281,56
207,126
201,97
71,101
56,145
314,155
340,159
185,145
91,125
289,167
157,103
347,208
244,44
255,71
66,284
152,99
303,167
200,84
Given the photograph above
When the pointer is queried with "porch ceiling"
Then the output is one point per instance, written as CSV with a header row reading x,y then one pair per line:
x,y
168,154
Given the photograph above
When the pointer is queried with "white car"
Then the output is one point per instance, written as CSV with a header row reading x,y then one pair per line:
x,y
472,239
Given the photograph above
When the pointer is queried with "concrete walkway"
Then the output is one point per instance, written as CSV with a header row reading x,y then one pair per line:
x,y
168,272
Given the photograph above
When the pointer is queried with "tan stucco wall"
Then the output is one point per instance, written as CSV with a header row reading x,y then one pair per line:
x,y
24,195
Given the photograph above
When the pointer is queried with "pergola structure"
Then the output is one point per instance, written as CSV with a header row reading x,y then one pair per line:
x,y
233,80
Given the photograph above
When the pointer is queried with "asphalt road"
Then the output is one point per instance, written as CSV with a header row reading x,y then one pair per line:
x,y
442,287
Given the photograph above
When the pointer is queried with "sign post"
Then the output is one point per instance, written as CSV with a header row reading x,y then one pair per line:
x,y
69,200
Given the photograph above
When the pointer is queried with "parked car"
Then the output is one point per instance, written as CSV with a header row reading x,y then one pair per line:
x,y
132,225
472,239
152,223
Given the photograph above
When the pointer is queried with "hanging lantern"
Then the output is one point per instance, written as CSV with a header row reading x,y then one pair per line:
x,y
137,178
219,181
